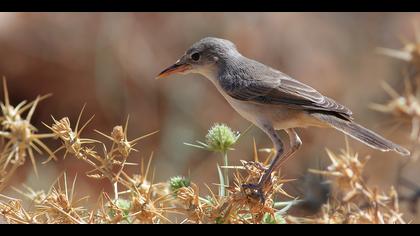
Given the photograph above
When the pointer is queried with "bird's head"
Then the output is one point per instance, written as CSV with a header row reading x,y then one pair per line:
x,y
202,57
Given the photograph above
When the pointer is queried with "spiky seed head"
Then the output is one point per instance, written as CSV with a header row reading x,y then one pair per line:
x,y
117,133
221,138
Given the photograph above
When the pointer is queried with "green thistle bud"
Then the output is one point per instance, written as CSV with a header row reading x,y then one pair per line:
x,y
122,204
178,182
221,138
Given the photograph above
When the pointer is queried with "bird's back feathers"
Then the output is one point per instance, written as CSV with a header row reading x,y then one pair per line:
x,y
256,82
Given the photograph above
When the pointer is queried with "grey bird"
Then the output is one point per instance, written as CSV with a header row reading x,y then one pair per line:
x,y
271,100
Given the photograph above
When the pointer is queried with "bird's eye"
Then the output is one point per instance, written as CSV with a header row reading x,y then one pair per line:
x,y
195,56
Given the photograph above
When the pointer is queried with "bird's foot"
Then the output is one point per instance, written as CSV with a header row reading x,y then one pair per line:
x,y
260,166
255,191
257,165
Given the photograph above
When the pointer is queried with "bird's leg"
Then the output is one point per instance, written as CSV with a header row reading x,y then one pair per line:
x,y
278,160
279,149
295,144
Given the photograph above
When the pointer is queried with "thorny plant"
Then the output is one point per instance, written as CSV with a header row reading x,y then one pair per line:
x,y
18,137
179,199
58,205
109,164
137,199
405,108
353,201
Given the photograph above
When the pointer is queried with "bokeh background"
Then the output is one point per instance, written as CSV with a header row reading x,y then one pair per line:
x,y
109,61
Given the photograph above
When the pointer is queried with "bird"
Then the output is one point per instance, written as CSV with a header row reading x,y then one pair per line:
x,y
271,100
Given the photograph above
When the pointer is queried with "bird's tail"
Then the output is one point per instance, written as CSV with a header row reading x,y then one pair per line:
x,y
362,134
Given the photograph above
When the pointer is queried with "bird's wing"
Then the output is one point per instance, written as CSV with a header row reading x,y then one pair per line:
x,y
277,88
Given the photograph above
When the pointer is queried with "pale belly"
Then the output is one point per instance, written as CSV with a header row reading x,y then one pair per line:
x,y
280,117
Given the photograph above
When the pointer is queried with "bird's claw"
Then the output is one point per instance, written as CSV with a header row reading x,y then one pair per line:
x,y
256,191
261,166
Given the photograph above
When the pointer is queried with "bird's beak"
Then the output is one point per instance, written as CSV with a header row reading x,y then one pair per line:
x,y
178,67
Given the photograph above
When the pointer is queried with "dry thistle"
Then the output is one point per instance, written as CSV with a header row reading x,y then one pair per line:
x,y
353,201
191,204
13,212
72,143
120,141
405,107
245,208
409,53
59,205
120,149
21,137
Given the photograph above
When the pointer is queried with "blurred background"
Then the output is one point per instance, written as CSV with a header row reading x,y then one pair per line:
x,y
109,61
